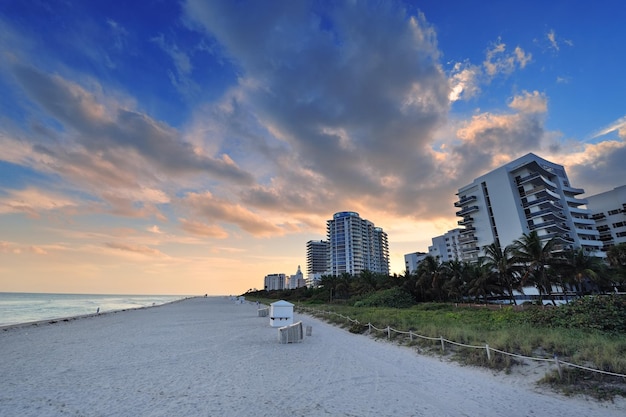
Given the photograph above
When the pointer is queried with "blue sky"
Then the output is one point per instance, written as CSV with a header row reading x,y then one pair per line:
x,y
190,147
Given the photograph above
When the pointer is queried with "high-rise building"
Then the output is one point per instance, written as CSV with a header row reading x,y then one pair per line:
x,y
355,245
412,260
447,247
608,209
525,195
317,257
275,282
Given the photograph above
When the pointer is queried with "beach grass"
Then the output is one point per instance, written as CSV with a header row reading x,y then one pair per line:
x,y
532,332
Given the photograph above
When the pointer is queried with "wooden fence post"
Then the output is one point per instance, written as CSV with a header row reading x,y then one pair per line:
x,y
558,366
388,332
443,347
488,353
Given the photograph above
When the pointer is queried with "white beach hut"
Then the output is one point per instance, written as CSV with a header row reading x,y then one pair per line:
x,y
281,313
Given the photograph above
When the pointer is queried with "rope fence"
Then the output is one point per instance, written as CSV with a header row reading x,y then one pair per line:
x,y
388,330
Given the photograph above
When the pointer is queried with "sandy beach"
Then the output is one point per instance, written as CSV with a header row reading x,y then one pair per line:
x,y
212,357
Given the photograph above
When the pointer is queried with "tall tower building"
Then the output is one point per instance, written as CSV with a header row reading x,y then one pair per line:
x,y
608,209
317,256
355,244
525,195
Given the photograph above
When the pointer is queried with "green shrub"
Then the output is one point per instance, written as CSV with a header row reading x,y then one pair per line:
x,y
605,313
393,297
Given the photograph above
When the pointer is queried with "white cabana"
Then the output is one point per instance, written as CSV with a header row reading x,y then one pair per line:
x,y
281,313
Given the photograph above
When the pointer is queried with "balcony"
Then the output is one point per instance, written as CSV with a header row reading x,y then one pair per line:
x,y
551,226
543,191
536,179
466,220
465,200
572,190
584,221
586,231
467,239
576,201
466,210
549,213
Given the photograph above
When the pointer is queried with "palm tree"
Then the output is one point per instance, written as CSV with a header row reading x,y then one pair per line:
x,y
579,266
502,264
482,282
343,286
365,282
536,258
617,260
455,279
428,283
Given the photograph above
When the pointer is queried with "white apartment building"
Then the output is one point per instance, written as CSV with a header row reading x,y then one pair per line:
x,y
317,258
608,209
412,260
447,247
274,282
355,244
524,195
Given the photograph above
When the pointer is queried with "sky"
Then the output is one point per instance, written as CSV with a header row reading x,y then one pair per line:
x,y
192,147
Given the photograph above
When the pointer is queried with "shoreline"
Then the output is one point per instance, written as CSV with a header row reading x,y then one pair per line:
x,y
55,320
210,356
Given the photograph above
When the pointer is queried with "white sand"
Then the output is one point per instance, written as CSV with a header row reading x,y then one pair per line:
x,y
211,357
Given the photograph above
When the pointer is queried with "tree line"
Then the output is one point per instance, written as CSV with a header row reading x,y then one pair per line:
x,y
499,274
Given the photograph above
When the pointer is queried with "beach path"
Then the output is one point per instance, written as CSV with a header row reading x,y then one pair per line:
x,y
212,357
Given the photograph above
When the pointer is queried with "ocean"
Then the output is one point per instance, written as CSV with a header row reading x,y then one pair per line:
x,y
17,308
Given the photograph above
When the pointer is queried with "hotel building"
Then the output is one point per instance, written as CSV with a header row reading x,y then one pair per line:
x,y
609,211
447,246
525,195
317,256
275,282
355,244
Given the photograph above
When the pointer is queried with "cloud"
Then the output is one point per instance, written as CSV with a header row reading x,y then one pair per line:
x,y
342,104
464,80
118,34
499,61
215,210
135,249
596,166
33,202
20,249
489,140
618,126
103,129
181,78
555,44
534,102
202,229
341,107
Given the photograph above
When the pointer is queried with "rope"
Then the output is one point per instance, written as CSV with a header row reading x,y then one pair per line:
x,y
487,347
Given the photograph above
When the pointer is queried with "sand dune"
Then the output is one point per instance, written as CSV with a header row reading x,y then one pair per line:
x,y
212,357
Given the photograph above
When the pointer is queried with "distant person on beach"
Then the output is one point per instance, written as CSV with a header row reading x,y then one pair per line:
x,y
98,310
